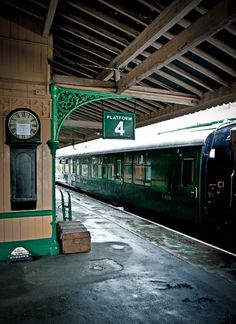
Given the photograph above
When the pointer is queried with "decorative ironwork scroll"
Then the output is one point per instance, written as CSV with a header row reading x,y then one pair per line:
x,y
67,100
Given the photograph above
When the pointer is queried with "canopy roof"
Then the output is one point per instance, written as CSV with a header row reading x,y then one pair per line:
x,y
172,57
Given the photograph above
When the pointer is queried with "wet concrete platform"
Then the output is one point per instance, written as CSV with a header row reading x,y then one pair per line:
x,y
136,272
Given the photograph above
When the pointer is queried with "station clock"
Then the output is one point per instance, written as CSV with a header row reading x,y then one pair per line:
x,y
22,127
23,124
23,137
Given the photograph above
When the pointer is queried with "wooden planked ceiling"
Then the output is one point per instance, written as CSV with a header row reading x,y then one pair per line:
x,y
173,57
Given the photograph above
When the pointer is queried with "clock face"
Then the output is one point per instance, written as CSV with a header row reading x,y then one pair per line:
x,y
23,124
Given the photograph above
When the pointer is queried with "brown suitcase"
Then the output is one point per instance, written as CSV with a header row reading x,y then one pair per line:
x,y
75,241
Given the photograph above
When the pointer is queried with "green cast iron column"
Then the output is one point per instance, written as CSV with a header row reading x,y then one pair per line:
x,y
54,145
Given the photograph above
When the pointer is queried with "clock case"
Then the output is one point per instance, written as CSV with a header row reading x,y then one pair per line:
x,y
23,171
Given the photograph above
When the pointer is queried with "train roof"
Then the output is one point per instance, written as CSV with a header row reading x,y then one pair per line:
x,y
190,136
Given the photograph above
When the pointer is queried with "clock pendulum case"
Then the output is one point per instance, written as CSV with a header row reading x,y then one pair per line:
x,y
23,137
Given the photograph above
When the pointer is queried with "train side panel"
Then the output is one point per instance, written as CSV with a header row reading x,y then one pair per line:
x,y
165,181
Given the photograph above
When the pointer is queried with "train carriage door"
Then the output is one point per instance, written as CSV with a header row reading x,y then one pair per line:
x,y
189,185
221,178
232,196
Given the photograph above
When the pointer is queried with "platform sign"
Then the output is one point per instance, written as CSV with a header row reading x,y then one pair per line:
x,y
119,125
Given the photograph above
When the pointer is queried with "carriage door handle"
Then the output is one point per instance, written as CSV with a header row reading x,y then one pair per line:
x,y
194,192
231,189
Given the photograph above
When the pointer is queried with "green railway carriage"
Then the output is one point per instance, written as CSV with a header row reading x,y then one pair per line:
x,y
186,174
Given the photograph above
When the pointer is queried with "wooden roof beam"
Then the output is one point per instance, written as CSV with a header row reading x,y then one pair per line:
x,y
82,124
124,11
167,19
68,70
50,16
203,54
89,39
231,28
223,47
95,29
161,95
70,138
100,55
104,18
223,95
203,28
80,83
139,92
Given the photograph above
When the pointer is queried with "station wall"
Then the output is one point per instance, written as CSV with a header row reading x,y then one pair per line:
x,y
24,83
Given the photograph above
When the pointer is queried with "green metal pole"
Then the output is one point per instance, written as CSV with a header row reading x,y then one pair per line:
x,y
69,207
54,145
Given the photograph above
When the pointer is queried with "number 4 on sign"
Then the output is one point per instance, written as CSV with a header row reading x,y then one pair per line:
x,y
120,128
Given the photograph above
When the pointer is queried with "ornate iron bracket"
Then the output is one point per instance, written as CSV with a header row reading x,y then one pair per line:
x,y
65,100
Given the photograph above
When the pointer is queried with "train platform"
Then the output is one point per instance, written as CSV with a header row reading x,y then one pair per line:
x,y
135,272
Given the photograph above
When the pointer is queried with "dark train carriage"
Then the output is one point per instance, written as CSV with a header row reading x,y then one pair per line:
x,y
185,174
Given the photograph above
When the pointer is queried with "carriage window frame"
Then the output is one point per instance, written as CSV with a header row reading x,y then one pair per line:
x,y
85,168
105,168
100,162
128,168
187,172
70,165
118,168
148,169
94,167
74,165
138,169
142,166
78,167
66,166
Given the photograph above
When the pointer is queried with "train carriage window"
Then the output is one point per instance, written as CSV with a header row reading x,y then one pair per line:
x,y
118,169
85,168
74,166
94,167
148,170
78,167
128,159
187,172
110,171
66,166
60,166
104,168
110,168
100,160
70,165
160,168
139,169
128,168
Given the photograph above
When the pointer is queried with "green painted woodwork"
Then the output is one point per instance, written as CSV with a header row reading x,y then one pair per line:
x,y
32,213
40,247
